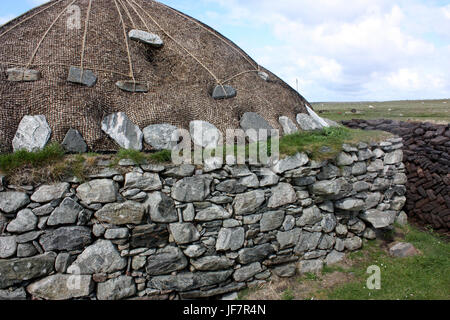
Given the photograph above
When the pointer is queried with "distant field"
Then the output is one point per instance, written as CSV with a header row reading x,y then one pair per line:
x,y
421,110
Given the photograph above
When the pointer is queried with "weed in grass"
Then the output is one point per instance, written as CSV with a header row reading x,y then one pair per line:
x,y
288,295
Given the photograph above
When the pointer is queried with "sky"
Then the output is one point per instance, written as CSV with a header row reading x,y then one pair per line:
x,y
337,50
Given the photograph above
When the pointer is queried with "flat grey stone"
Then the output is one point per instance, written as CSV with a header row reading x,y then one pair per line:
x,y
231,186
353,243
290,163
161,136
62,262
247,272
257,253
116,289
402,219
166,261
23,75
97,191
129,212
268,178
27,237
224,92
248,203
11,295
393,157
189,281
60,287
161,208
263,75
181,171
288,125
334,257
379,219
285,271
310,266
192,189
11,201
15,271
212,263
308,241
310,216
307,123
132,86
74,143
66,239
32,134
212,164
253,121
146,181
149,236
119,233
328,223
83,77
282,195
124,132
24,221
289,238
402,250
327,188
344,159
47,193
184,233
66,213
230,239
101,257
146,37
8,247
213,213
271,220
26,250
204,134
350,204
194,251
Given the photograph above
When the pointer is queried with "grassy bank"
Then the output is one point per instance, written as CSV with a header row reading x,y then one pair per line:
x,y
422,277
419,110
51,164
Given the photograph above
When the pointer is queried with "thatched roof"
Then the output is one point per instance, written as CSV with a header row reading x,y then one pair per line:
x,y
180,76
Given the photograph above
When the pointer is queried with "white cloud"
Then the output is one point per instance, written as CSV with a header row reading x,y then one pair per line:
x,y
352,50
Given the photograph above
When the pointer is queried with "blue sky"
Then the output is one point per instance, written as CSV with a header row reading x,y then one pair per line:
x,y
339,50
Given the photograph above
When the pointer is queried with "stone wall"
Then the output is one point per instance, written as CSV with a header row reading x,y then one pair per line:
x,y
427,160
162,232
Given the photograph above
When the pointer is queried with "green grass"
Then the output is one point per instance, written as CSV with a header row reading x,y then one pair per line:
x,y
12,161
312,143
287,295
420,110
424,277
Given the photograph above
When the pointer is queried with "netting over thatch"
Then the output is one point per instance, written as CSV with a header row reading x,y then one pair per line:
x,y
180,76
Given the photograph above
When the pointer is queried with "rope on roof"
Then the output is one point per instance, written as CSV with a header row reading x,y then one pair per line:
x,y
126,42
174,40
30,17
83,46
213,33
128,14
46,32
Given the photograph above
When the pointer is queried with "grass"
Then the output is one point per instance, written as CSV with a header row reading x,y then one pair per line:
x,y
313,143
421,110
12,161
422,277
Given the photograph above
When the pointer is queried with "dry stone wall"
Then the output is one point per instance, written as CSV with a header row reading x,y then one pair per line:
x,y
160,232
427,160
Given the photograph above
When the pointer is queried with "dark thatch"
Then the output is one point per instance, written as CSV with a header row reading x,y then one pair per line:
x,y
179,86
